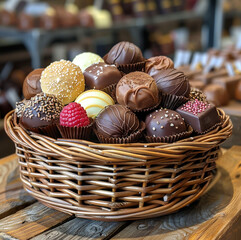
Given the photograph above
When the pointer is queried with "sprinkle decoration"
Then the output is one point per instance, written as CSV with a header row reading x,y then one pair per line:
x,y
195,107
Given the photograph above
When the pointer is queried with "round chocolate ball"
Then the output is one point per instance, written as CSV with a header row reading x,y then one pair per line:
x,y
216,95
137,91
172,81
158,63
124,53
238,92
116,121
31,84
40,111
101,75
164,123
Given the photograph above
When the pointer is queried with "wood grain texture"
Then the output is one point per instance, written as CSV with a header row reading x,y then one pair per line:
x,y
31,221
81,229
209,218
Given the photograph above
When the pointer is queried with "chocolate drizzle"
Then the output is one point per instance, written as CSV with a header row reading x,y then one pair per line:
x,y
116,121
137,91
124,53
172,81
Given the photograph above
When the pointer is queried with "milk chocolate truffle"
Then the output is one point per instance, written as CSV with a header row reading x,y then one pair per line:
x,y
172,81
158,63
31,84
101,75
41,110
116,121
124,53
216,95
238,92
137,91
164,123
63,79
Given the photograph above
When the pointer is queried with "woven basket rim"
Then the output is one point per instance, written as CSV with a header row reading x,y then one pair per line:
x,y
72,147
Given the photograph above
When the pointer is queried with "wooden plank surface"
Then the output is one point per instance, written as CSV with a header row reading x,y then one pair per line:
x,y
211,217
82,229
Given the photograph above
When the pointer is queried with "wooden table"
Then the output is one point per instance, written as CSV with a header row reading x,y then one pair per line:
x,y
217,215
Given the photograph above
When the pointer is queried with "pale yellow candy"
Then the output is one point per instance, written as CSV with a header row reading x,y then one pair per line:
x,y
84,60
93,101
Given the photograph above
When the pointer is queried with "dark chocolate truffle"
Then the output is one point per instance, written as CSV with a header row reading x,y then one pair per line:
x,y
137,91
124,53
158,63
202,116
20,106
172,81
31,85
164,123
40,111
116,121
216,95
101,75
238,92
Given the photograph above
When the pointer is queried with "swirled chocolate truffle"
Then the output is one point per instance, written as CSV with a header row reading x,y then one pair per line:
x,y
101,75
158,63
40,111
31,84
137,91
172,81
124,53
116,121
164,123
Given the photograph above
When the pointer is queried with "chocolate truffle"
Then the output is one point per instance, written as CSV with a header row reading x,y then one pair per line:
x,y
158,63
238,92
41,110
20,106
202,116
124,53
216,95
172,81
164,123
197,94
116,121
137,91
31,84
101,75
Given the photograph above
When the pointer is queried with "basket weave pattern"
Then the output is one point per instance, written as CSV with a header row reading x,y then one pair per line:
x,y
116,181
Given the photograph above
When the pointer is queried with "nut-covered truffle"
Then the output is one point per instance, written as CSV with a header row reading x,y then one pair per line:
x,y
164,123
158,63
197,94
40,111
124,53
31,84
137,91
172,81
116,121
63,79
101,75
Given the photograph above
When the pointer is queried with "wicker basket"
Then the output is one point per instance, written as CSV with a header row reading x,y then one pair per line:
x,y
116,182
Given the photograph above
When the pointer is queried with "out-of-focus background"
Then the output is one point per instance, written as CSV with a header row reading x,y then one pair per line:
x,y
35,33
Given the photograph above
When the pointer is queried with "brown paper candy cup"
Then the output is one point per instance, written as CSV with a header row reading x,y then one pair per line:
x,y
50,131
134,137
127,68
110,89
170,139
172,101
76,132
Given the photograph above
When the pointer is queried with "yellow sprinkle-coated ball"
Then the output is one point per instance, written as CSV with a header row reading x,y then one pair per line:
x,y
93,101
86,59
63,79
